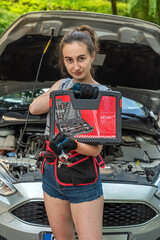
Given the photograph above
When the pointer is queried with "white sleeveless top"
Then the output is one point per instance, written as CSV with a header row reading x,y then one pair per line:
x,y
68,83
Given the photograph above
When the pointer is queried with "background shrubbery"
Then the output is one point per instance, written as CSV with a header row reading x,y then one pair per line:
x,y
23,6
6,18
143,9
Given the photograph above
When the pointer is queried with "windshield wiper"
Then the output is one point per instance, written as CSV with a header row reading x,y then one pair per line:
x,y
13,109
134,115
18,109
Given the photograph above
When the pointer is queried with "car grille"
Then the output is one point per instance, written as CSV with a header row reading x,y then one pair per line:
x,y
2,238
32,212
126,214
115,214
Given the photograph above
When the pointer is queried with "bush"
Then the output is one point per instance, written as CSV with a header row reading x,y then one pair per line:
x,y
146,10
6,18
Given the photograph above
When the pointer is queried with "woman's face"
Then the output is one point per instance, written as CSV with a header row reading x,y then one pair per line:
x,y
78,61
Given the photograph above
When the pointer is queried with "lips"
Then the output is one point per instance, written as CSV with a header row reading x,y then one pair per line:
x,y
78,73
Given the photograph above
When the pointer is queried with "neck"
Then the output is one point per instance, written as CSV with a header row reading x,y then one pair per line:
x,y
88,80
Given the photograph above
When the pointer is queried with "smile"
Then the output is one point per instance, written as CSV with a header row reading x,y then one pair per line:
x,y
78,73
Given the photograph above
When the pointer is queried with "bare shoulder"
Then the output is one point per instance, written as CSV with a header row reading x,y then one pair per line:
x,y
56,85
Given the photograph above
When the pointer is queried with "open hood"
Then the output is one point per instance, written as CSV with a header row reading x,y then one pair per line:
x,y
129,58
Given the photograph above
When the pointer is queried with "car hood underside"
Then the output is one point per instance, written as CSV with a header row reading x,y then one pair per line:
x,y
128,61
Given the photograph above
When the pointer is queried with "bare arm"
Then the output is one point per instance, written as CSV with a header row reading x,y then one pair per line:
x,y
89,150
41,104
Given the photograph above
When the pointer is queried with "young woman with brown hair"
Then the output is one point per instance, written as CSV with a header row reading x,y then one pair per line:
x,y
77,204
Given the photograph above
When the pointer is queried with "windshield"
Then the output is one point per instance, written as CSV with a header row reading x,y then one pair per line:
x,y
22,99
132,107
19,99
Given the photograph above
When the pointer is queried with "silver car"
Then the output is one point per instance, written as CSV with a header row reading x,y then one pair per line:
x,y
128,62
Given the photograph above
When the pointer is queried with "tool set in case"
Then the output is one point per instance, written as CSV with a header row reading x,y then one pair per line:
x,y
88,120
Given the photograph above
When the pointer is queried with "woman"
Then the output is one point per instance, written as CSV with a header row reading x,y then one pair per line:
x,y
78,205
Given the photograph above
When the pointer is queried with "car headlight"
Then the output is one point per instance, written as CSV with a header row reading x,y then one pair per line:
x,y
6,186
157,194
157,183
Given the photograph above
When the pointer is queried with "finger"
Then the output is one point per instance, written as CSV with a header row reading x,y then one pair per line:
x,y
76,86
95,92
90,92
59,138
84,91
65,146
54,148
66,150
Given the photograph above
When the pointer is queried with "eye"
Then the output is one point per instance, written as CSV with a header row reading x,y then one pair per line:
x,y
69,60
81,59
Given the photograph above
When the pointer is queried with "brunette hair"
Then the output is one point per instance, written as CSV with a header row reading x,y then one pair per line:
x,y
85,34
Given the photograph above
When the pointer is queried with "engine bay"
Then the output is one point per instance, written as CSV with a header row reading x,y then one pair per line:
x,y
136,159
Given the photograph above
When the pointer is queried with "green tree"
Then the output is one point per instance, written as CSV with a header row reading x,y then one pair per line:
x,y
154,10
146,10
114,7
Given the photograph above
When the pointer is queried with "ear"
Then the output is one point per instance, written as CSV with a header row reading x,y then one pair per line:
x,y
93,56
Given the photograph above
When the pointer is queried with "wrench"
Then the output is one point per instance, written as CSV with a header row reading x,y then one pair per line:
x,y
63,159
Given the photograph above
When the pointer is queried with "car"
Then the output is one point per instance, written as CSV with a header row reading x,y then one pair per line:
x,y
128,62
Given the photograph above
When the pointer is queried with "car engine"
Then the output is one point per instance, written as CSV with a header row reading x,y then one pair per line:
x,y
136,159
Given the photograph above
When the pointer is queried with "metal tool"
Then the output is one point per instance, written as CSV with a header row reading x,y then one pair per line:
x,y
63,156
63,159
60,163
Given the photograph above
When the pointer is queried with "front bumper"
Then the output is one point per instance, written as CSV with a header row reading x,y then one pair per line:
x,y
13,228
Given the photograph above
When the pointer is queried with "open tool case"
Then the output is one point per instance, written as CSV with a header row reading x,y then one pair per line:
x,y
88,120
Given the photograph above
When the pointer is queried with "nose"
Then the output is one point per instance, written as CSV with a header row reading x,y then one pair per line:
x,y
76,66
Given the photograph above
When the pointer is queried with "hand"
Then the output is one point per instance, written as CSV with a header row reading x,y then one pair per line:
x,y
68,145
50,156
85,91
60,137
47,153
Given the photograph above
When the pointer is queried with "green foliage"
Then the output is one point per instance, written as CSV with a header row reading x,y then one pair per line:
x,y
122,9
139,9
143,9
154,10
6,18
14,8
147,10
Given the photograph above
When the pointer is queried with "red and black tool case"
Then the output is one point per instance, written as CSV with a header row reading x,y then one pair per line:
x,y
88,120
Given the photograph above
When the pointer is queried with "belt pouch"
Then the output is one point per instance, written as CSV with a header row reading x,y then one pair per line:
x,y
82,171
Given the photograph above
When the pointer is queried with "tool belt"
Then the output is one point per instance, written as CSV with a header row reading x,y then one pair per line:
x,y
77,170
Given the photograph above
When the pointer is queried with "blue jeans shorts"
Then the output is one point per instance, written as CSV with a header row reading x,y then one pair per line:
x,y
74,194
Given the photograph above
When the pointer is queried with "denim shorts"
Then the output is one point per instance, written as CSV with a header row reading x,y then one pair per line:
x,y
74,194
